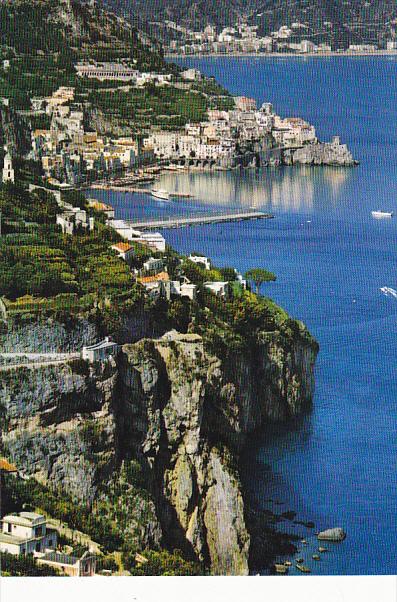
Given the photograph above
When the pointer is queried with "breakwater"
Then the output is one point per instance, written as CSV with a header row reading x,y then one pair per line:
x,y
180,222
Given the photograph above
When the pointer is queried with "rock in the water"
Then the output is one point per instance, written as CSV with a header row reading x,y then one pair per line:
x,y
336,534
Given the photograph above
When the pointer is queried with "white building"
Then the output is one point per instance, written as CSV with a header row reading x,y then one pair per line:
x,y
201,259
307,46
188,290
107,71
153,264
101,351
153,240
74,218
164,144
169,288
26,533
8,170
70,565
220,289
123,250
293,131
191,74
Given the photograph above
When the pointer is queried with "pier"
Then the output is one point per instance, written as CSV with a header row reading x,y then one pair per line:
x,y
181,222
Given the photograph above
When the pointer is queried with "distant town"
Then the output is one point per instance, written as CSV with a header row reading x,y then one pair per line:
x,y
244,39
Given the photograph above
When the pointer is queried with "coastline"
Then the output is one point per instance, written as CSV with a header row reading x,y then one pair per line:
x,y
280,55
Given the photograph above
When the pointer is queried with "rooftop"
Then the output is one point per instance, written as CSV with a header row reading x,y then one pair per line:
x,y
162,276
25,519
122,246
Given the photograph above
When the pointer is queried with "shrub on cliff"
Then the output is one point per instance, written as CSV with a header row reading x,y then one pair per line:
x,y
24,566
162,563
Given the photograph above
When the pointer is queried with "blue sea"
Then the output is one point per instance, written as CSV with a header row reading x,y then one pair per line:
x,y
336,466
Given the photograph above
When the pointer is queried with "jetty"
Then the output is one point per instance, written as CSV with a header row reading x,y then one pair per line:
x,y
181,222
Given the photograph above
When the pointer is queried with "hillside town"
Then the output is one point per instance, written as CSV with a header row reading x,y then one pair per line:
x,y
71,153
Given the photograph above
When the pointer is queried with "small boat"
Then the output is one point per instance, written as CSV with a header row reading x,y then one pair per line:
x,y
304,541
288,563
281,569
322,550
164,195
381,214
316,557
299,560
303,568
389,292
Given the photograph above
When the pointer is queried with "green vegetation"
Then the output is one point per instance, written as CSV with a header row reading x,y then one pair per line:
x,y
259,276
42,269
24,566
164,564
40,64
165,106
20,494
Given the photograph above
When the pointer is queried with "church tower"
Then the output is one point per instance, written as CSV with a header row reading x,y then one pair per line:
x,y
8,171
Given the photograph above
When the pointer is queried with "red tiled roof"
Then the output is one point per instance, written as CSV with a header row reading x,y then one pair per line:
x,y
163,276
122,246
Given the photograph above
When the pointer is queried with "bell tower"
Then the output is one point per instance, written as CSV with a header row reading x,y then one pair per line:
x,y
8,170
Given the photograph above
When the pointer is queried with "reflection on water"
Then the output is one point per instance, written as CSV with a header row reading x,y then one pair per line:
x,y
285,189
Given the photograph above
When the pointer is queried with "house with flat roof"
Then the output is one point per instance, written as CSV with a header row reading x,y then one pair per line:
x,y
201,259
26,533
69,565
220,289
153,265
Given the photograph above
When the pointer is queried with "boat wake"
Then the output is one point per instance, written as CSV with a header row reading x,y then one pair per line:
x,y
389,292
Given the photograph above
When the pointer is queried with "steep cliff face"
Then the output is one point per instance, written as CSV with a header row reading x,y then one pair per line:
x,y
180,413
165,385
188,414
60,425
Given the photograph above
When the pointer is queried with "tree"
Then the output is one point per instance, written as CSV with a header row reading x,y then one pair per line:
x,y
258,276
228,274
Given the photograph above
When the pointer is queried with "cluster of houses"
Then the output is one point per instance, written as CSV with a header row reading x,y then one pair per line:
x,y
27,534
156,281
244,38
68,152
225,132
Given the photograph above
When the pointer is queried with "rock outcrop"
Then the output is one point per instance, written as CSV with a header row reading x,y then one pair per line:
x,y
179,412
321,153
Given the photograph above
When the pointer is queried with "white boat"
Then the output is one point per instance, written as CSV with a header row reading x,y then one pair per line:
x,y
164,195
380,214
389,292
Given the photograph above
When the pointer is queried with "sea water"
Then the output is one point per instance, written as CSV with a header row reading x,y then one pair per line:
x,y
337,465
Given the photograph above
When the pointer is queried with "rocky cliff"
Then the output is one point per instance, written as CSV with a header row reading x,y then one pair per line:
x,y
178,412
322,153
